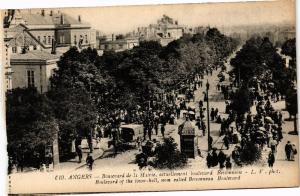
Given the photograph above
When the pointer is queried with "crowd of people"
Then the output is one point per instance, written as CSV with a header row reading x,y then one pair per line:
x,y
251,133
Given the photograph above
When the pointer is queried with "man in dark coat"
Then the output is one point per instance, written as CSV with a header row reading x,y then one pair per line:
x,y
288,149
215,159
271,159
79,153
162,129
212,114
209,159
203,126
210,141
89,161
226,141
228,164
221,159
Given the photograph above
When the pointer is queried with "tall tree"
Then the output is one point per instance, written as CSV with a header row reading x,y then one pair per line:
x,y
31,126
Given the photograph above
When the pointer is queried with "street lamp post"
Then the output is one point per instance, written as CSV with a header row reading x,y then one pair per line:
x,y
208,124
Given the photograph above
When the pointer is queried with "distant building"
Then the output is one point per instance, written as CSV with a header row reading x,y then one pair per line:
x,y
117,44
164,31
33,69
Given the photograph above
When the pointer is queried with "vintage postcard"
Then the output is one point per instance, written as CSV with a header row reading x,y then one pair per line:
x,y
151,97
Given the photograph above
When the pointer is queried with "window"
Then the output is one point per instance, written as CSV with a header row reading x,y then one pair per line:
x,y
30,78
14,49
75,39
49,39
62,39
45,41
39,38
86,39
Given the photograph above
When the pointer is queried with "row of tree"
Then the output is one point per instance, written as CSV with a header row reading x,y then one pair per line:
x,y
260,59
87,88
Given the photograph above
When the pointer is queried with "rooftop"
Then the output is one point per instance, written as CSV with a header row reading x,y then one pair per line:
x,y
53,19
35,55
18,36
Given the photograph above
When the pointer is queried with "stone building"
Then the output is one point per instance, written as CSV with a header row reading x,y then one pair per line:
x,y
47,25
164,31
34,41
16,41
117,44
33,69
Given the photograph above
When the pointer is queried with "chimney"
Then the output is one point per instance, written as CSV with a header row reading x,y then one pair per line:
x,y
51,13
62,19
43,12
53,49
112,37
79,18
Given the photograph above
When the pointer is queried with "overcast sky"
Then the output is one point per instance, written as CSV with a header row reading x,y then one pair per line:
x,y
128,18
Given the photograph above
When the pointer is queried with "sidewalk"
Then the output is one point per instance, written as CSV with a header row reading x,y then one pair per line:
x,y
98,152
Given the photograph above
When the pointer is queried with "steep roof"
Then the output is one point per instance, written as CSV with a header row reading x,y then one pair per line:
x,y
38,19
35,55
19,36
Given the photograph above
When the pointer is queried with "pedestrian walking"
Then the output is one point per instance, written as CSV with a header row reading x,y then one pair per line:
x,y
218,86
226,141
273,145
221,159
79,153
209,159
200,83
178,111
216,113
162,130
294,152
203,128
212,114
215,159
156,122
288,150
149,132
210,141
271,159
89,161
228,163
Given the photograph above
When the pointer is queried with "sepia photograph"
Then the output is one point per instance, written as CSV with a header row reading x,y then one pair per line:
x,y
151,97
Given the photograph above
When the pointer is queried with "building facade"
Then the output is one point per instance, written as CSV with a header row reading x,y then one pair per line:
x,y
33,69
47,25
117,45
164,31
34,40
